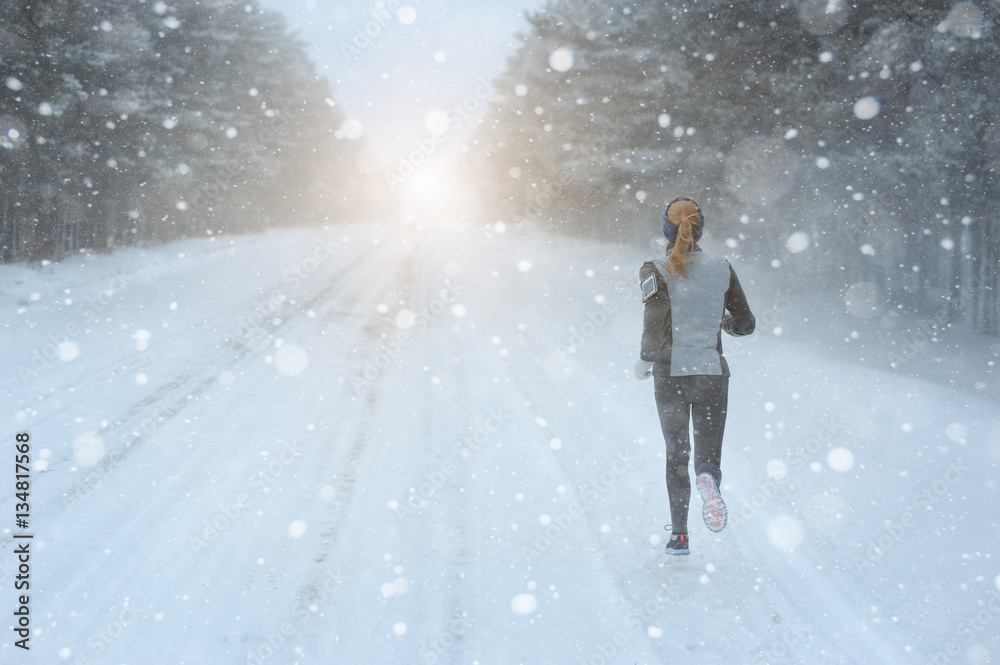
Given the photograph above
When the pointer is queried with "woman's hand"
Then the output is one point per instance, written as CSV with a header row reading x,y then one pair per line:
x,y
643,370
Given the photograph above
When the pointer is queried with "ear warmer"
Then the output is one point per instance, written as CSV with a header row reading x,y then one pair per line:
x,y
670,231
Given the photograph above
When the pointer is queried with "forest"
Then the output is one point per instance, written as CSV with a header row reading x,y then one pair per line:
x,y
865,133
133,122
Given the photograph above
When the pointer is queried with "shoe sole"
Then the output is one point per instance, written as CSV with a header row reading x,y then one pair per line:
x,y
677,552
714,510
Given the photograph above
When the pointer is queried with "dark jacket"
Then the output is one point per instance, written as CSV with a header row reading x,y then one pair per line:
x,y
683,319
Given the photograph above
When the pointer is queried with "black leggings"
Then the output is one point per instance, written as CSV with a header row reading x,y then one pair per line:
x,y
702,401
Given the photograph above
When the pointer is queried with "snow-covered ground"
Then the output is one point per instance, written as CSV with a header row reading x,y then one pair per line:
x,y
381,444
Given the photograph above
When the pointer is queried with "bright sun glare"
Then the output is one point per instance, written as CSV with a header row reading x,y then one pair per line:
x,y
436,194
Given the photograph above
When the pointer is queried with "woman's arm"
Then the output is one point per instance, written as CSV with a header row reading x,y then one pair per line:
x,y
656,316
739,320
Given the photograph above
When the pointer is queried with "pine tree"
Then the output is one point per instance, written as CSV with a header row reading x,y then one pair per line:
x,y
125,122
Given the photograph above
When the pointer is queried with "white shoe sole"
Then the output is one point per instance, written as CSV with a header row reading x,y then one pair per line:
x,y
714,510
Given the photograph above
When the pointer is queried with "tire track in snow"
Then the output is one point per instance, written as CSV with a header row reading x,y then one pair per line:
x,y
452,555
206,351
136,518
437,542
148,415
361,437
363,341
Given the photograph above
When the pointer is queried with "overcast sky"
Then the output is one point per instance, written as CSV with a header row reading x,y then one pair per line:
x,y
429,56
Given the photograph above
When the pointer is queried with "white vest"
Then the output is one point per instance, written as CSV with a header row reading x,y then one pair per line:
x,y
697,304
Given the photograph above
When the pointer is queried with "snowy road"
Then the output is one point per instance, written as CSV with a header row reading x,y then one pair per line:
x,y
377,444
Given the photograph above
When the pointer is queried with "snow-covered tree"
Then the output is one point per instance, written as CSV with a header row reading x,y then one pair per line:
x,y
147,121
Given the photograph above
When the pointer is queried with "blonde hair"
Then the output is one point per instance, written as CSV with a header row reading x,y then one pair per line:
x,y
683,214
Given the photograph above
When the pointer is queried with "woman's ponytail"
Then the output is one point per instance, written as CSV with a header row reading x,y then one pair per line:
x,y
685,215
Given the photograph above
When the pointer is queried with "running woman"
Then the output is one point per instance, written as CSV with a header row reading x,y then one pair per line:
x,y
689,298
